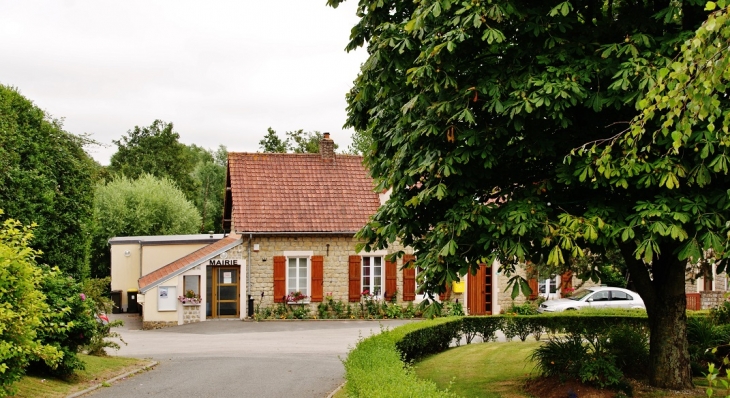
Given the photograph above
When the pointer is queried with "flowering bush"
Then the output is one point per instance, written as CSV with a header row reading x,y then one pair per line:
x,y
568,291
190,298
295,297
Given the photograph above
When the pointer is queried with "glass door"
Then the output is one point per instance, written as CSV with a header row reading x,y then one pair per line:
x,y
225,292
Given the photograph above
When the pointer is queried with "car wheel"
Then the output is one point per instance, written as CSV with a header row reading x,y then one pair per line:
x,y
571,309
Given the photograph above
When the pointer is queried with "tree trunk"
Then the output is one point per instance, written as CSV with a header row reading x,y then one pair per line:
x,y
668,347
661,286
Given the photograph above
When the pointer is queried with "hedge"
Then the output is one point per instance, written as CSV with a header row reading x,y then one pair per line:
x,y
374,368
378,366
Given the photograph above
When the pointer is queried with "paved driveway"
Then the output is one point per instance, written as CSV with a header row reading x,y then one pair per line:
x,y
240,359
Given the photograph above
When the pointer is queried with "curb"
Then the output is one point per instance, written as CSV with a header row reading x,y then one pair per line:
x,y
332,394
112,380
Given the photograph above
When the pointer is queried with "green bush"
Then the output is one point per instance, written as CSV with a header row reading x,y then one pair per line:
x,y
600,368
485,327
630,348
431,340
561,357
23,306
528,308
97,290
721,313
70,322
374,368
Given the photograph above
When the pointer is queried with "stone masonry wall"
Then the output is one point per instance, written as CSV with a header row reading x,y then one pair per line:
x,y
335,249
710,299
191,314
151,325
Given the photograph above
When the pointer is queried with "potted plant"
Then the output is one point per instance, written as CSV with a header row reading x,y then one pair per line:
x,y
190,298
295,297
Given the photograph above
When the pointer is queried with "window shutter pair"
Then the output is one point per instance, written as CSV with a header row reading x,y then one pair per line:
x,y
409,279
317,264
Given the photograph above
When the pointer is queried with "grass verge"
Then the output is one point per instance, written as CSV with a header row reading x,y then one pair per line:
x,y
481,370
98,370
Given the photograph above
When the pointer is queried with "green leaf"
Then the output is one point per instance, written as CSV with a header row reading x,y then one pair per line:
x,y
436,9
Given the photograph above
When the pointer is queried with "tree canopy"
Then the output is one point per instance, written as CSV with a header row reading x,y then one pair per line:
x,y
145,206
155,150
209,175
506,131
298,141
272,143
46,178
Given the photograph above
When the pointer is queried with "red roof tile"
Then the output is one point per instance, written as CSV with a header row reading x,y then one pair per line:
x,y
277,192
211,250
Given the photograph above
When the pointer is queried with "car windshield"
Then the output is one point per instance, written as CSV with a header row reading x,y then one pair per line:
x,y
580,294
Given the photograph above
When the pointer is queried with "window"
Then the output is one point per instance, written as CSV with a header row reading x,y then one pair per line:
x,y
297,275
600,296
372,275
191,282
617,295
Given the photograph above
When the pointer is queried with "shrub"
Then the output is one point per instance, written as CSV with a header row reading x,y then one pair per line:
x,y
23,306
97,291
426,341
721,313
600,369
486,327
518,326
630,348
528,308
70,323
561,357
452,309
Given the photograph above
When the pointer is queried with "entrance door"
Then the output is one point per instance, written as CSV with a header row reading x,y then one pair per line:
x,y
225,292
479,299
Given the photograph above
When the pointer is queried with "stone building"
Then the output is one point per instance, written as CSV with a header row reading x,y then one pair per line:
x,y
290,221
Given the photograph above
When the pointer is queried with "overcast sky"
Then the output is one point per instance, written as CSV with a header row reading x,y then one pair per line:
x,y
221,71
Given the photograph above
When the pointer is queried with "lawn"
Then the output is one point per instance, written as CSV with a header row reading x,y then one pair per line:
x,y
98,370
481,370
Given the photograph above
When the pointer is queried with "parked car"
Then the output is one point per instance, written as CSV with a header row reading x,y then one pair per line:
x,y
595,297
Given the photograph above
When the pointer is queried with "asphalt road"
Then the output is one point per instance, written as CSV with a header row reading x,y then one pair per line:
x,y
240,359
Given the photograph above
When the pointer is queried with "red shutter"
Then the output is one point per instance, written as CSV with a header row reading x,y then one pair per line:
x,y
532,281
279,279
409,279
317,278
566,282
355,272
391,279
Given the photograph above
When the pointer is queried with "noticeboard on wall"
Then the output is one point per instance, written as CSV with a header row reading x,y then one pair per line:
x,y
166,298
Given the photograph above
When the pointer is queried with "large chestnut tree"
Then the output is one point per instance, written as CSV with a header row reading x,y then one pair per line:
x,y
537,131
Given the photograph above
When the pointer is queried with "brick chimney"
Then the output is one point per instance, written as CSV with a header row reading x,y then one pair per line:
x,y
327,148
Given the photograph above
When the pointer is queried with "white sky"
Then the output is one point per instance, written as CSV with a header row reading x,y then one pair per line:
x,y
221,71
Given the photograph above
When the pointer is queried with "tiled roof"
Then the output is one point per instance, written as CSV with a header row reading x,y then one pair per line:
x,y
279,192
187,262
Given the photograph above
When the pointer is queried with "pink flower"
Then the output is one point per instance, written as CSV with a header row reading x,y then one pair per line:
x,y
83,296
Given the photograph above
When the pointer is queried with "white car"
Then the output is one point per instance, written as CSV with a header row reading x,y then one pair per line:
x,y
595,297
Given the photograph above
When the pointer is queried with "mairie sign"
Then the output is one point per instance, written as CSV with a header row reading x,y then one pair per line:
x,y
233,262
